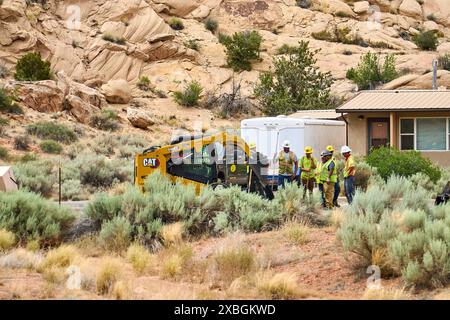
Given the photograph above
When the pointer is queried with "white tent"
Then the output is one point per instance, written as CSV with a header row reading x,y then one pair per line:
x,y
7,180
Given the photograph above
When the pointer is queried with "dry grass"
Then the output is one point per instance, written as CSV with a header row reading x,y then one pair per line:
x,y
296,233
336,218
172,234
234,262
121,291
7,240
139,258
89,246
279,286
171,267
108,273
385,294
54,275
60,257
21,258
33,245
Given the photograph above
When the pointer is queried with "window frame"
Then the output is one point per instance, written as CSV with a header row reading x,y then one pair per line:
x,y
447,124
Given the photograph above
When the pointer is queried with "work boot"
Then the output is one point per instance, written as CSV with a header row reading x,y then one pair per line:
x,y
337,205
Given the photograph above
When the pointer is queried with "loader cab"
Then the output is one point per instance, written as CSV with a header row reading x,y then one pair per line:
x,y
215,162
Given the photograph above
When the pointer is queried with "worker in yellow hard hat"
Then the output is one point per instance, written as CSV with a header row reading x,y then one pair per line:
x,y
252,145
307,166
337,186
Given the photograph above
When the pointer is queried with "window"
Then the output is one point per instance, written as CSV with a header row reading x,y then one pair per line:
x,y
407,134
425,134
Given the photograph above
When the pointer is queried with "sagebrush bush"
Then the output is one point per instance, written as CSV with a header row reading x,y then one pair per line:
x,y
390,161
31,67
31,217
192,44
241,49
22,143
115,234
190,95
426,40
51,146
144,83
105,120
36,175
7,240
52,131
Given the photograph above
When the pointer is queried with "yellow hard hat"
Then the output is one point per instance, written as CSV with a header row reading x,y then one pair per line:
x,y
330,148
252,145
308,150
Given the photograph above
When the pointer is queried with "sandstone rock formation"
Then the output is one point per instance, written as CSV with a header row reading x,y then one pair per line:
x,y
117,91
140,118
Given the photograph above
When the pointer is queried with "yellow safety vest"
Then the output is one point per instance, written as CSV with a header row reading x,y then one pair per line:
x,y
324,174
285,165
318,172
349,162
307,164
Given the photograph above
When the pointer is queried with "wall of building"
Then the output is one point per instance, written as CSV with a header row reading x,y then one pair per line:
x,y
358,132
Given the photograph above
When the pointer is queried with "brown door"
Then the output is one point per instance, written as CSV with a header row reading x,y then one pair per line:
x,y
378,132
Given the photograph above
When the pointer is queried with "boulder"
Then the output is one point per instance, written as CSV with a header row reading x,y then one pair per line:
x,y
399,82
430,26
337,7
43,96
79,109
117,91
140,118
12,9
361,6
411,8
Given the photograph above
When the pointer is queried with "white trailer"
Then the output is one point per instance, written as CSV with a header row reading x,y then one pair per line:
x,y
269,133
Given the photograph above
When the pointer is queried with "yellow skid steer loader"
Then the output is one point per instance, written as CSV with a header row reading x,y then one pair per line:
x,y
218,160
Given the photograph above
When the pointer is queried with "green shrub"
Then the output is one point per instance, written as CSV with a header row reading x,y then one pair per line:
x,y
370,72
190,95
286,49
115,234
114,39
51,146
7,104
32,68
22,143
241,49
390,161
444,62
144,83
3,124
211,25
295,84
105,120
52,131
426,40
192,44
3,153
30,217
36,176
176,24
72,189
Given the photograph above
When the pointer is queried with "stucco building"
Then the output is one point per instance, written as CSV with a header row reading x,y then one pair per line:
x,y
405,119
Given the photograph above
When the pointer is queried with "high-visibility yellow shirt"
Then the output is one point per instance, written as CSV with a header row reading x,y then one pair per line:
x,y
285,165
349,163
324,174
308,163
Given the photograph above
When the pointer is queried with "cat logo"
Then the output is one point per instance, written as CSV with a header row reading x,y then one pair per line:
x,y
152,163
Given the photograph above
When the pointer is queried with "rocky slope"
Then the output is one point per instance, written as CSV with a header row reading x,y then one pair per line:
x,y
91,73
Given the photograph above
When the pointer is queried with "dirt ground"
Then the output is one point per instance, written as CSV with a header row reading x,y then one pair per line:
x,y
321,268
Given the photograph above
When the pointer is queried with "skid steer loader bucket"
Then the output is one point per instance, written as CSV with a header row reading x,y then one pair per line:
x,y
444,196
